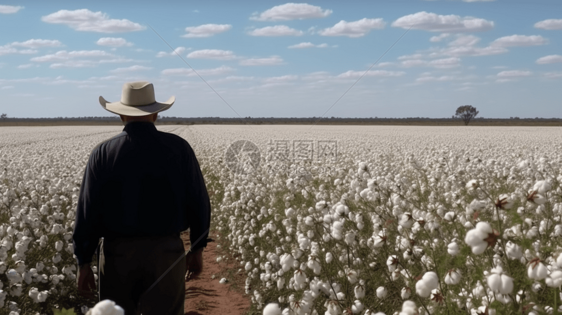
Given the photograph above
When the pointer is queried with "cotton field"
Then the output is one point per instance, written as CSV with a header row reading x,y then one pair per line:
x,y
323,219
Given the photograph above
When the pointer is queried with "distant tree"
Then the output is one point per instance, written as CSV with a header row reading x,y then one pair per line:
x,y
4,116
466,113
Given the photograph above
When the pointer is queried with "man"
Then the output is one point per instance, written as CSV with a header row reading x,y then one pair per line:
x,y
140,189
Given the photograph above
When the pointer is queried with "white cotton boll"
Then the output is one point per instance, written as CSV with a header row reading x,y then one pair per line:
x,y
14,276
58,246
405,293
542,186
33,293
314,265
536,270
272,309
513,250
453,276
350,238
329,257
357,307
409,308
449,216
107,307
499,282
43,295
280,283
299,277
290,212
422,289
392,262
248,266
431,280
286,261
475,238
554,279
558,261
351,276
381,292
359,291
472,184
453,248
504,201
406,220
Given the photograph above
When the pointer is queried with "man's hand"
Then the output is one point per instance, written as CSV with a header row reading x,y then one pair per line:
x,y
194,264
86,282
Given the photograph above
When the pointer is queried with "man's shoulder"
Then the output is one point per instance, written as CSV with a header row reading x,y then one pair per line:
x,y
175,140
106,142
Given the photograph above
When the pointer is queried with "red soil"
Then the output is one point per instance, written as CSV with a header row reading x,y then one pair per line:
x,y
206,296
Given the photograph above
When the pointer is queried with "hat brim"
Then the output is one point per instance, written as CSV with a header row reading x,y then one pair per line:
x,y
144,110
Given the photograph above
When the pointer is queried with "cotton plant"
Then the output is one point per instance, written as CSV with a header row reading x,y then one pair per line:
x,y
322,236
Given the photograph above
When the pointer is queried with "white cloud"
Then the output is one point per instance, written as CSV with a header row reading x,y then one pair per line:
x,y
458,51
203,72
444,63
443,23
130,69
549,59
212,54
271,61
7,87
7,49
179,51
37,43
117,60
478,0
9,9
88,21
514,74
353,29
550,24
277,30
292,11
371,73
438,38
283,78
413,63
553,75
26,66
519,40
414,56
307,45
64,55
74,64
423,79
113,42
205,30
465,40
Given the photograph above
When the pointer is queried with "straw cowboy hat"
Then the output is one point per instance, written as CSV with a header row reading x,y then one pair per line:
x,y
137,99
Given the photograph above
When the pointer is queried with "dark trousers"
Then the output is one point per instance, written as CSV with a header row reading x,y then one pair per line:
x,y
132,265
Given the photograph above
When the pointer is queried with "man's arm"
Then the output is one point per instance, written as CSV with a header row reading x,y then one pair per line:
x,y
86,228
199,206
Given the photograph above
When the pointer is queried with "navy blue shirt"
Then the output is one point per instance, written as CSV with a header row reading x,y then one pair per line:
x,y
142,182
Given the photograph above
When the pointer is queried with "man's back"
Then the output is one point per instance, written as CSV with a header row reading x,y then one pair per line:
x,y
141,182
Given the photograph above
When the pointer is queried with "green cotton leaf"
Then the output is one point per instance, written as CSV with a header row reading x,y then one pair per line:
x,y
64,312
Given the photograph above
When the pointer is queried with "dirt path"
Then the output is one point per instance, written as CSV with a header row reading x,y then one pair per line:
x,y
206,296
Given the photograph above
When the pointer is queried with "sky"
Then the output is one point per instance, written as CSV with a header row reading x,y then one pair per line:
x,y
393,59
